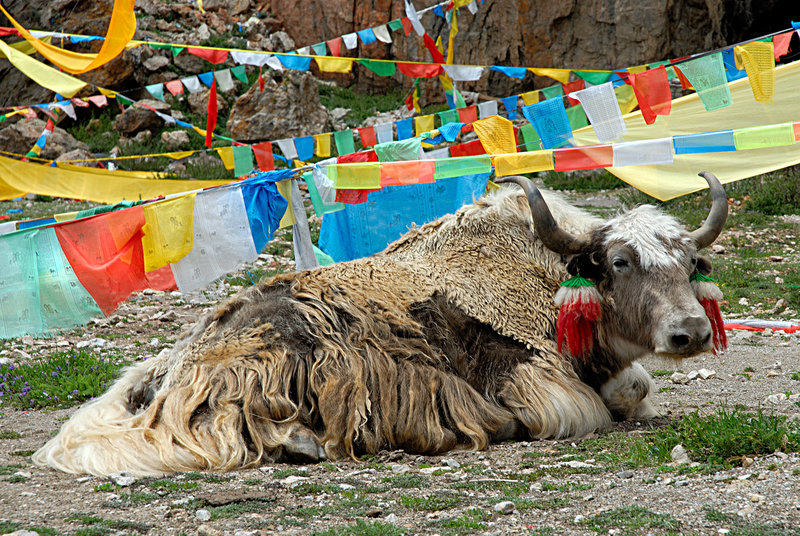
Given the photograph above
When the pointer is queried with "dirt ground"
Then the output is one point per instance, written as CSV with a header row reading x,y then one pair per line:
x,y
554,487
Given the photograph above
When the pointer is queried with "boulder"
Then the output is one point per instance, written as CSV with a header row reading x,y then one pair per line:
x,y
20,137
288,107
198,103
174,139
77,154
156,62
138,118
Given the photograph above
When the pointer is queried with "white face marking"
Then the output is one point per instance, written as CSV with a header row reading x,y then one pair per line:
x,y
647,230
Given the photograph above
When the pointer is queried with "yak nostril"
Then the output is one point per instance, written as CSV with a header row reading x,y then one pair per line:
x,y
680,341
706,338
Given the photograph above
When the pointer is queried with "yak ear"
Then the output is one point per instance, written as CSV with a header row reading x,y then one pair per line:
x,y
586,265
703,265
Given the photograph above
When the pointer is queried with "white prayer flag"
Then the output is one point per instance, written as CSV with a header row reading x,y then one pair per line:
x,y
487,109
601,107
463,73
643,152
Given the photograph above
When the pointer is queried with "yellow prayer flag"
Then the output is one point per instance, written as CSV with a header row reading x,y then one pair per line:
x,y
177,155
66,216
452,38
423,123
496,134
758,59
638,69
530,162
562,75
121,28
168,232
323,145
42,74
491,187
27,48
332,64
285,189
226,153
530,97
626,98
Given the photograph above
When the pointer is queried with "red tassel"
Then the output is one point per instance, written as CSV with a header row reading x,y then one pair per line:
x,y
260,79
576,323
718,334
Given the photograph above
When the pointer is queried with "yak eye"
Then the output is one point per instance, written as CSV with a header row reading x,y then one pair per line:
x,y
620,263
694,261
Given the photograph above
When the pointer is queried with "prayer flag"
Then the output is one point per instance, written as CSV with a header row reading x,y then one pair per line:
x,y
487,108
211,108
287,148
758,59
652,92
367,136
423,123
224,80
405,128
420,70
550,120
242,160
586,157
214,56
513,72
305,147
382,33
381,68
384,132
344,141
367,36
263,154
643,152
707,76
602,109
529,162
156,90
323,145
335,45
496,135
510,104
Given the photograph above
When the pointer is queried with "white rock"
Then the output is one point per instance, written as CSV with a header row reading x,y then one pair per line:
x,y
122,478
391,518
450,462
23,532
6,360
679,455
19,355
744,301
400,469
292,481
23,474
505,507
203,515
575,464
346,487
679,377
578,519
155,342
693,375
756,498
776,398
706,373
27,340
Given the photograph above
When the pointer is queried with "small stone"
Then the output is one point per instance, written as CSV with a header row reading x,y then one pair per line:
x,y
450,462
155,63
679,455
680,483
756,498
718,249
175,139
776,398
19,355
679,377
23,474
625,474
203,515
292,481
578,519
391,518
155,342
400,469
773,373
122,479
707,373
27,340
23,532
346,487
373,512
723,531
693,375
746,461
504,507
745,512
775,258
744,301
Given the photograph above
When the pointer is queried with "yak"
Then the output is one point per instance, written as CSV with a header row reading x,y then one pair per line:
x,y
444,340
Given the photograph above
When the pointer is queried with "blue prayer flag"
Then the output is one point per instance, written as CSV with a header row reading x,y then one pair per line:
x,y
305,148
550,120
514,72
367,36
206,78
707,142
405,128
293,61
511,105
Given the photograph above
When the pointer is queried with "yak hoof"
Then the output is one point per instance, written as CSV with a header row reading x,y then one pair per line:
x,y
302,446
508,431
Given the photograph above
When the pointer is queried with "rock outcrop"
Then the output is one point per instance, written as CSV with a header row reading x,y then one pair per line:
x,y
20,137
288,107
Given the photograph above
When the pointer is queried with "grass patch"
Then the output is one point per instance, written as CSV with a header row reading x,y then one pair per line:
x,y
361,528
741,527
630,521
242,507
361,106
9,434
405,481
795,376
470,522
508,489
582,181
104,526
170,486
62,379
432,503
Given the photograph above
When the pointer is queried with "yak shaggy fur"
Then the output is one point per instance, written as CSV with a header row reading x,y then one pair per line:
x,y
446,339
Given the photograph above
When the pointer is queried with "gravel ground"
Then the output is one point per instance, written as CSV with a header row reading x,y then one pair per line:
x,y
538,487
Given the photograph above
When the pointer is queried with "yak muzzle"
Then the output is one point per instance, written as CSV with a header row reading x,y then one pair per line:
x,y
685,337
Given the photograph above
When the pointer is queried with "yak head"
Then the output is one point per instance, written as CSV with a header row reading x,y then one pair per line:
x,y
641,262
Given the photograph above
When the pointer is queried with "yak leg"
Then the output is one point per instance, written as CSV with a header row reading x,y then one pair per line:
x,y
302,446
552,402
625,394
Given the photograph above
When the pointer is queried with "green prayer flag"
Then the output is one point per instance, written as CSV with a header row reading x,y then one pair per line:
x,y
242,160
553,91
594,78
381,68
758,137
707,76
530,137
319,49
459,166
394,151
344,142
239,72
448,116
395,25
176,50
320,207
577,117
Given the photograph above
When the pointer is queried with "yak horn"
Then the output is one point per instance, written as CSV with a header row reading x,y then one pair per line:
x,y
553,237
710,230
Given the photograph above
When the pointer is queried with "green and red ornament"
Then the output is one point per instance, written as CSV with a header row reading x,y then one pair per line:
x,y
709,295
579,308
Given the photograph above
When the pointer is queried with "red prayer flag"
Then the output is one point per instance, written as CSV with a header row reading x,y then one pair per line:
x,y
420,70
407,27
409,172
780,43
264,158
431,46
685,84
367,135
174,86
468,115
211,123
4,32
471,148
796,127
335,45
652,91
354,158
569,87
107,257
211,55
587,157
